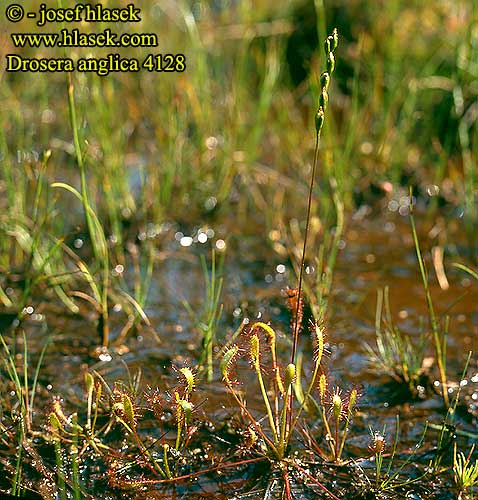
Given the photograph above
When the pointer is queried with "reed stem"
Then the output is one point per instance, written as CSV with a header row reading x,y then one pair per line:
x,y
440,344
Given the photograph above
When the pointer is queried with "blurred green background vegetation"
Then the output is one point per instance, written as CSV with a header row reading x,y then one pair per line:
x,y
231,138
229,143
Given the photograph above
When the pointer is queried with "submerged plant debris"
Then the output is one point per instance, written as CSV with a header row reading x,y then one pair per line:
x,y
252,279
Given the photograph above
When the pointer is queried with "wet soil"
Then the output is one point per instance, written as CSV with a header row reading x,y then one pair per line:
x,y
375,252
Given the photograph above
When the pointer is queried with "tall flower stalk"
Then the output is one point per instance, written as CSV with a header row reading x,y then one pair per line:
x,y
330,46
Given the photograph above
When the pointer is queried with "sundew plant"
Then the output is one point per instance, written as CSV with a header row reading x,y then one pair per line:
x,y
238,249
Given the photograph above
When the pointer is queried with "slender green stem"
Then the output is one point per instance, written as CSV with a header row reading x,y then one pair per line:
x,y
266,402
336,439
60,470
95,231
79,159
283,439
251,418
166,461
395,443
74,462
431,311
328,432
95,416
345,432
330,45
179,425
290,396
306,397
16,487
26,392
378,468
143,450
302,263
35,377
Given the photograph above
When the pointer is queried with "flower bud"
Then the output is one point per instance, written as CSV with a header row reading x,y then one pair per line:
x,y
324,99
187,408
89,382
319,119
335,39
289,374
330,63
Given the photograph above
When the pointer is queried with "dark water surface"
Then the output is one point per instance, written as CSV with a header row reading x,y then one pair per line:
x,y
376,252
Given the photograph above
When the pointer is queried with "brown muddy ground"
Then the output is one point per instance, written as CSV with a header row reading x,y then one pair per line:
x,y
376,252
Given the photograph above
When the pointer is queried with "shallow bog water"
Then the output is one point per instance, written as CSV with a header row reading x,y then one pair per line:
x,y
375,252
